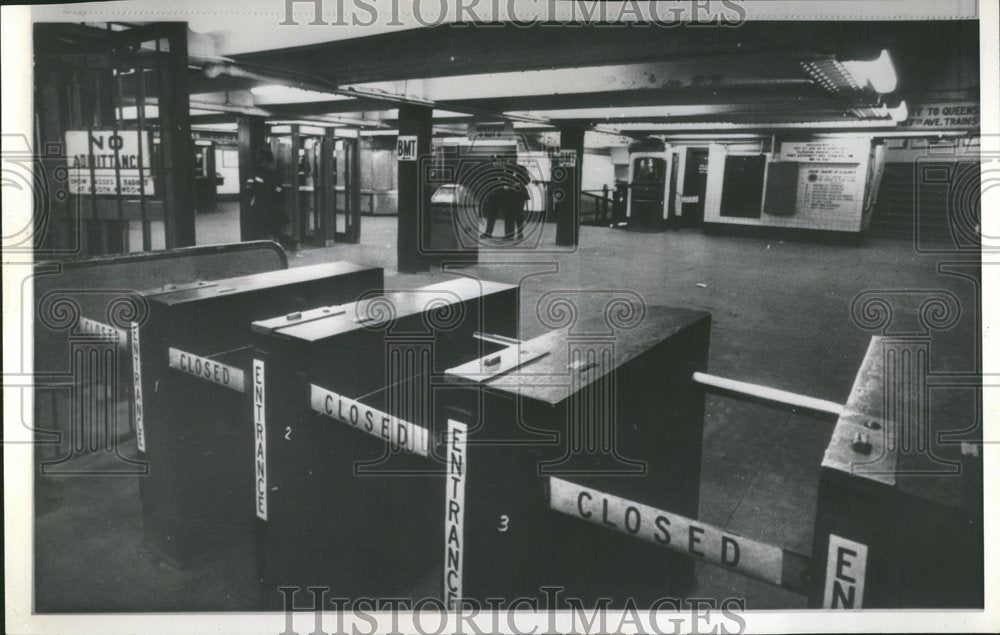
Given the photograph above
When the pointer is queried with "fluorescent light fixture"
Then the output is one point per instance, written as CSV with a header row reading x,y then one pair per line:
x,y
723,125
304,125
280,94
879,72
215,127
449,113
899,112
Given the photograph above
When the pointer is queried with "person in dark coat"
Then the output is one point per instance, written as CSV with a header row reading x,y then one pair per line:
x,y
267,202
514,197
492,203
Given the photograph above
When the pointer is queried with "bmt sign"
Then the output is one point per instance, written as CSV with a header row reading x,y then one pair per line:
x,y
406,148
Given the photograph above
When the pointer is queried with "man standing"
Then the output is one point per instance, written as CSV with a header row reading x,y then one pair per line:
x,y
267,203
514,198
492,201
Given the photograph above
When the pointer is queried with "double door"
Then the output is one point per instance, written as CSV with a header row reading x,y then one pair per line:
x,y
320,177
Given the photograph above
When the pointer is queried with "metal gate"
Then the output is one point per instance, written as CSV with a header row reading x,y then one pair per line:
x,y
112,123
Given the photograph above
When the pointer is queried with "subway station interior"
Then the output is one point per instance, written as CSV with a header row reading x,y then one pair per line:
x,y
465,311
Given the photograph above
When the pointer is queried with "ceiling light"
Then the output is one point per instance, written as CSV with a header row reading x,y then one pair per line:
x,y
279,93
879,72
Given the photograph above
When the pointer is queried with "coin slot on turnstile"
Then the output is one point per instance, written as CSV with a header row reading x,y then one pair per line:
x,y
582,366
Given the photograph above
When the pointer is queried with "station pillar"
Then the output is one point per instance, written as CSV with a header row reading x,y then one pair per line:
x,y
566,182
414,200
251,136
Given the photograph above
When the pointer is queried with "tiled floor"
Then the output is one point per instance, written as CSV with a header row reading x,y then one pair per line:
x,y
781,315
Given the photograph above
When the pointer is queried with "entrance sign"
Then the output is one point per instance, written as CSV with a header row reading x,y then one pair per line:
x,y
454,521
260,440
845,574
401,434
567,158
101,160
140,435
668,530
207,369
406,148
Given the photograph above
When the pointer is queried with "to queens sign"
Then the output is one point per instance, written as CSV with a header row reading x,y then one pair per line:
x,y
108,162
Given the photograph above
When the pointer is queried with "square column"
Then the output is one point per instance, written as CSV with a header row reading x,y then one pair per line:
x,y
567,179
414,196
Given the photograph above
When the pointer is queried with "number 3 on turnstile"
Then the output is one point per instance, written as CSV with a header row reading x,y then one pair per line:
x,y
504,522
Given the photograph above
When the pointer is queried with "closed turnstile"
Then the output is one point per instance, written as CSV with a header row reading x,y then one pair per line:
x,y
194,419
346,490
899,514
590,408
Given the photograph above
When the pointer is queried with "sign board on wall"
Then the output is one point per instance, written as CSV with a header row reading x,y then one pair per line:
x,y
567,158
946,115
500,130
826,151
107,162
830,189
406,148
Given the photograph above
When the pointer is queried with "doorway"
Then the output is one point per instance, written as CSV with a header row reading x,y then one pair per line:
x,y
694,187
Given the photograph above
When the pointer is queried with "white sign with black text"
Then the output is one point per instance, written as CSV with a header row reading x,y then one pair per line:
x,y
668,530
260,440
845,574
93,327
140,432
109,162
401,434
406,148
207,369
454,520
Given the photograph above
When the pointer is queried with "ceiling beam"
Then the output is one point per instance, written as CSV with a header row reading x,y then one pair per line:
x,y
451,50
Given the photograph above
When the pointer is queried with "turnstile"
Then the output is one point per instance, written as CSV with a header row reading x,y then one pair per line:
x,y
588,408
899,515
193,406
344,413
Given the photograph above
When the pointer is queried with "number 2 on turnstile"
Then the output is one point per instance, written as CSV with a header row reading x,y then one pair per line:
x,y
504,522
288,433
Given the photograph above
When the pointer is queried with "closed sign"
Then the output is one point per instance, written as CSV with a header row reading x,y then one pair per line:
x,y
668,530
401,434
207,369
93,327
